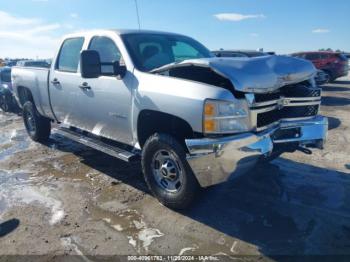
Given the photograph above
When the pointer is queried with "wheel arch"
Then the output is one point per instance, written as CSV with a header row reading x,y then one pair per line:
x,y
151,121
24,95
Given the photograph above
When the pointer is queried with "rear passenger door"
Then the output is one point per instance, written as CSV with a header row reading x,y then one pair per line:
x,y
105,107
65,80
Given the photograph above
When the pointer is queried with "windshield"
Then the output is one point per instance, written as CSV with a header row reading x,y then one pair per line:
x,y
150,51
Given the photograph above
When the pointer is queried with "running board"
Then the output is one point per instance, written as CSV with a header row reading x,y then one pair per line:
x,y
94,143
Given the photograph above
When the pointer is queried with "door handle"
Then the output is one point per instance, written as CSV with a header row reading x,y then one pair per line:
x,y
85,86
55,81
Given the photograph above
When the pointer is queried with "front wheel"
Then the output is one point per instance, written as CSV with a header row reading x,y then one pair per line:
x,y
38,127
167,173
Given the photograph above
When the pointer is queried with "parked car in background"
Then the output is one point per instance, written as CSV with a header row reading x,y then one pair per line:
x,y
10,63
333,64
321,77
238,53
33,63
348,57
7,99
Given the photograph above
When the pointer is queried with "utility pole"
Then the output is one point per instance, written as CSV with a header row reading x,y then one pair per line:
x,y
138,15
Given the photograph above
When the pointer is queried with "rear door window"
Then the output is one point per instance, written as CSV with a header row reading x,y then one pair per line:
x,y
69,56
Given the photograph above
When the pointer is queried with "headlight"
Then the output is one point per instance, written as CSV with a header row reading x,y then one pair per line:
x,y
5,86
223,117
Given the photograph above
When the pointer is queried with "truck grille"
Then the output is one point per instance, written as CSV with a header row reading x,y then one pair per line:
x,y
289,102
289,91
270,117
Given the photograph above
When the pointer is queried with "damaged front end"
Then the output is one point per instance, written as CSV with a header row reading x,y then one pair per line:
x,y
282,103
271,88
249,75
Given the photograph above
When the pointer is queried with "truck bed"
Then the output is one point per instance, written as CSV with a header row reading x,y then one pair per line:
x,y
37,81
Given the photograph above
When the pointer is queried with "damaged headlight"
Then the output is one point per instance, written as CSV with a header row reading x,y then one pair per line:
x,y
223,117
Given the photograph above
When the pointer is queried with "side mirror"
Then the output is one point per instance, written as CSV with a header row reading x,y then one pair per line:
x,y
90,64
119,70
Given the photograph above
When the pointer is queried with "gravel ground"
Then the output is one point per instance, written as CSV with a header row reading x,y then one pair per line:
x,y
66,199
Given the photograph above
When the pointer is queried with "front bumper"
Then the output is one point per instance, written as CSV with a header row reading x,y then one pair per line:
x,y
215,160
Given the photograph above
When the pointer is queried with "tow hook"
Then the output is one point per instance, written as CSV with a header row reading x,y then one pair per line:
x,y
304,150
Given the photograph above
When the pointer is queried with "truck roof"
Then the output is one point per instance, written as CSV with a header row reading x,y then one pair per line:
x,y
119,32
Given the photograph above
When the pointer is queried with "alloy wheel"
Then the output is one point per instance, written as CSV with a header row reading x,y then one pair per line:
x,y
167,171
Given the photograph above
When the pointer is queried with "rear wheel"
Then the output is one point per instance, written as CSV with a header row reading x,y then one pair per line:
x,y
5,103
167,173
38,127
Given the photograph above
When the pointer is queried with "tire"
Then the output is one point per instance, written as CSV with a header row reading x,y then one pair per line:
x,y
5,103
167,172
37,126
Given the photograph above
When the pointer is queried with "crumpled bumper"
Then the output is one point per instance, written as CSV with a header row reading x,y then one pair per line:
x,y
215,160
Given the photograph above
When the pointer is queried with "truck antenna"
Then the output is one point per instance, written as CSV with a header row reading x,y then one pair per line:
x,y
138,15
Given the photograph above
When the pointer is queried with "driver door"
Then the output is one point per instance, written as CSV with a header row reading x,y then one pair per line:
x,y
105,106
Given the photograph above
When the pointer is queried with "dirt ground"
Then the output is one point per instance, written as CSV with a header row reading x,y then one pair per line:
x,y
66,199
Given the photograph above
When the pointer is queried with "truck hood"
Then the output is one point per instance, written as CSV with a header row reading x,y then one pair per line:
x,y
256,75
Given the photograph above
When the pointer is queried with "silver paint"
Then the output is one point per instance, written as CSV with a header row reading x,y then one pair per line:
x,y
112,107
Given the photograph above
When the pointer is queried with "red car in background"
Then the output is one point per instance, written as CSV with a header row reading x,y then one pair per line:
x,y
333,64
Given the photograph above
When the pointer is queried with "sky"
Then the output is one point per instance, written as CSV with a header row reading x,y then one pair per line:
x,y
34,28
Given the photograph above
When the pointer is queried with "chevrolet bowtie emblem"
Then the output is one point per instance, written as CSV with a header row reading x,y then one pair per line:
x,y
282,102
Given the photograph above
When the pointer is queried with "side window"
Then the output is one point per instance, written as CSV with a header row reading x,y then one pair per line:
x,y
312,56
68,59
324,56
109,53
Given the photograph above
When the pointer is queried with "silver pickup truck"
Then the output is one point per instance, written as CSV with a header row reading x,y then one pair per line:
x,y
192,119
